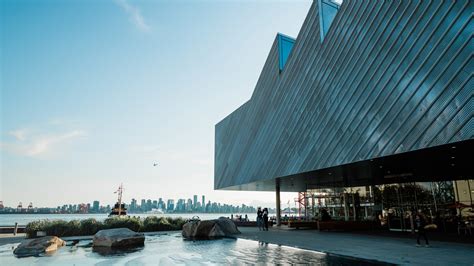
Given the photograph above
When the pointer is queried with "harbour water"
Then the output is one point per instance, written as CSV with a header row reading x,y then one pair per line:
x,y
23,219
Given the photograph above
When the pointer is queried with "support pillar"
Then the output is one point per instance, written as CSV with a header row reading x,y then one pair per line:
x,y
354,213
346,207
306,207
278,207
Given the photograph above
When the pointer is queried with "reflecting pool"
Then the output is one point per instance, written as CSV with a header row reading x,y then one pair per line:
x,y
171,249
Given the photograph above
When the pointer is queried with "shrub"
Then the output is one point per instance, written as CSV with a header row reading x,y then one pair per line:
x,y
132,223
150,224
90,226
177,223
153,223
61,228
33,227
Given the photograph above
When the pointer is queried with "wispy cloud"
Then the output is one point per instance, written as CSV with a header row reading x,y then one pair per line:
x,y
19,134
28,144
134,14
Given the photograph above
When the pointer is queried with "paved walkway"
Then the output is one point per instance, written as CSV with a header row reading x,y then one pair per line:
x,y
387,249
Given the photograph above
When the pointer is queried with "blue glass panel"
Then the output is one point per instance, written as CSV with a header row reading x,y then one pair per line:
x,y
327,13
285,44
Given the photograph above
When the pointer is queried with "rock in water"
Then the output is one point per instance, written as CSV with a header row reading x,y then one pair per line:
x,y
118,237
37,246
209,229
227,226
189,228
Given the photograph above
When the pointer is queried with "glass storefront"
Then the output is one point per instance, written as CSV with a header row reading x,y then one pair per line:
x,y
449,204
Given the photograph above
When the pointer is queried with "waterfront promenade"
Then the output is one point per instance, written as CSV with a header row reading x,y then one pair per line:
x,y
381,248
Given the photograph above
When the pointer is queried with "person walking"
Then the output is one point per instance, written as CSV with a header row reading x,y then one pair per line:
x,y
260,219
420,221
265,219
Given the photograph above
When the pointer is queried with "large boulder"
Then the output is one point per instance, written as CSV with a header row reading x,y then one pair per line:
x,y
228,226
209,229
118,238
37,246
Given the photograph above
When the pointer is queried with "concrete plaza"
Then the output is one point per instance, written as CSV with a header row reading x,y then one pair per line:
x,y
381,248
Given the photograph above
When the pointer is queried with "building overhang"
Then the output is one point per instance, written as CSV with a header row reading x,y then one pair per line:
x,y
441,163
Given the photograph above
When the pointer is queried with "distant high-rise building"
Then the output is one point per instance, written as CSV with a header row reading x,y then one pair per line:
x,y
181,205
95,206
189,205
161,204
195,198
133,205
170,205
143,205
203,203
149,205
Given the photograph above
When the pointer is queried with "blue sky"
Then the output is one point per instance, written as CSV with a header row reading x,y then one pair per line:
x,y
94,92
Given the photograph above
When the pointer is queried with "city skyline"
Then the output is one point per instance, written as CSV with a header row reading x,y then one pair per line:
x,y
135,206
95,95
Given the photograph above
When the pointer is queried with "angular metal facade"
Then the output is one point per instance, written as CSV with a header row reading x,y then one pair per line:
x,y
390,77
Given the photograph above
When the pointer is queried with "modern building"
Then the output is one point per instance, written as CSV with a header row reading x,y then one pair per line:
x,y
170,205
161,204
149,205
95,206
372,97
133,206
195,201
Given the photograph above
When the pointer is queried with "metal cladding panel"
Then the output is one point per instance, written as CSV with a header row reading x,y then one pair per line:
x,y
390,77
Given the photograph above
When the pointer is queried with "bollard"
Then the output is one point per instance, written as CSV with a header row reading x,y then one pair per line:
x,y
15,229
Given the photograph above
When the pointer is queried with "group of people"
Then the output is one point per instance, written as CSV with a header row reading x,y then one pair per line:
x,y
262,219
420,221
239,218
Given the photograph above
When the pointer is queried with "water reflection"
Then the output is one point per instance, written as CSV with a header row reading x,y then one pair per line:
x,y
107,251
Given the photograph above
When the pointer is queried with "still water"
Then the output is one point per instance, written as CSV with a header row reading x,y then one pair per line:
x,y
23,219
171,249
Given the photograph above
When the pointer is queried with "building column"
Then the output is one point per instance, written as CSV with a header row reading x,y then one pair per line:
x,y
354,213
346,207
278,207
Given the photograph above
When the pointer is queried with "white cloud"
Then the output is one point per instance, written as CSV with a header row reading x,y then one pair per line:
x,y
38,145
135,15
19,134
